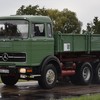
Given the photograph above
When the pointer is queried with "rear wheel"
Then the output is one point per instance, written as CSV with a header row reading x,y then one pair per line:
x,y
48,77
96,77
9,80
83,75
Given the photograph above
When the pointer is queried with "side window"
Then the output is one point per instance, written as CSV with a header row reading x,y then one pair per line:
x,y
39,29
49,29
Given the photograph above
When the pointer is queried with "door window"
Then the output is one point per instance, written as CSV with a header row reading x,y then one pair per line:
x,y
38,30
49,30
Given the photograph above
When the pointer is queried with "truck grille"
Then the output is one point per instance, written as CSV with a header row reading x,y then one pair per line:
x,y
13,57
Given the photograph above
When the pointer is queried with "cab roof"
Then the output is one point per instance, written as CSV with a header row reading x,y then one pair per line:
x,y
32,18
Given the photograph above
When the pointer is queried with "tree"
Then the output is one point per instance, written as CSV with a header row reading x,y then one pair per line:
x,y
29,10
71,22
94,27
64,21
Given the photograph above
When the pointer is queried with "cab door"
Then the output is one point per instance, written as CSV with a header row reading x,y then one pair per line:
x,y
42,42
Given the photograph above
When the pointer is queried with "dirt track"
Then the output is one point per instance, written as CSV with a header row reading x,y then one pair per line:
x,y
31,91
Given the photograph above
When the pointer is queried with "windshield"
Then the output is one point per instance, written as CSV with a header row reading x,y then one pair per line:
x,y
13,28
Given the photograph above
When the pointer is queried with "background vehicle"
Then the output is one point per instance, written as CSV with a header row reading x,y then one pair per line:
x,y
30,50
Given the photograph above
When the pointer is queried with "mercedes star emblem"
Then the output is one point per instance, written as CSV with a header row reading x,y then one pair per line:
x,y
5,57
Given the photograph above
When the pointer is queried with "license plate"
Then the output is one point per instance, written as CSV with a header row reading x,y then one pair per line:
x,y
5,71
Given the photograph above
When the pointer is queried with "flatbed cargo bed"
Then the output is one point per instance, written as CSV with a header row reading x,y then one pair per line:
x,y
77,42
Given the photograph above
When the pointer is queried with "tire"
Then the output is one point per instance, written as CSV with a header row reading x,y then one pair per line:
x,y
96,75
48,77
9,79
84,74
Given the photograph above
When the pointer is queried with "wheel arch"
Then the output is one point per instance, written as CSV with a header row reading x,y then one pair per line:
x,y
53,60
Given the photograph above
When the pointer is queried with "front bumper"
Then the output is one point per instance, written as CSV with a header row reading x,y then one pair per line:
x,y
8,70
15,70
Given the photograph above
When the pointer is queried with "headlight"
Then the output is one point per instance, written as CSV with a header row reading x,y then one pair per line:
x,y
22,70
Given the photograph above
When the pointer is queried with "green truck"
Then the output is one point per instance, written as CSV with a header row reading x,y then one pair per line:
x,y
30,50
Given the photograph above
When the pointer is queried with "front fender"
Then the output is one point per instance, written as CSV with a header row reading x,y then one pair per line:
x,y
53,60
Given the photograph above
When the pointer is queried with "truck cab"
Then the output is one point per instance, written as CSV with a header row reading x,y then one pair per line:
x,y
24,39
26,48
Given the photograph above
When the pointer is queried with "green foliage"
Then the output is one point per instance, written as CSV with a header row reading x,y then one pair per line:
x,y
94,27
71,22
90,97
29,10
64,21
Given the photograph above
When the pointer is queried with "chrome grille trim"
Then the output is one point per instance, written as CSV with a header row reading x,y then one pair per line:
x,y
13,57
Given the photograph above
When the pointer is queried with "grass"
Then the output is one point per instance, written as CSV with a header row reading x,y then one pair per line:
x,y
87,97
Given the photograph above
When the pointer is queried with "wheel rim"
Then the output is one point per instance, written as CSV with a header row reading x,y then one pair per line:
x,y
86,73
50,76
99,72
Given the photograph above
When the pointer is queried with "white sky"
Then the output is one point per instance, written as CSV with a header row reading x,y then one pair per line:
x,y
86,10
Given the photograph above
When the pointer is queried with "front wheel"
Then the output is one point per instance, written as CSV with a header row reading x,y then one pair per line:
x,y
48,77
9,80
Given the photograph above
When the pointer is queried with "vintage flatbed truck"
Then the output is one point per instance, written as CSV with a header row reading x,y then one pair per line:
x,y
30,50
